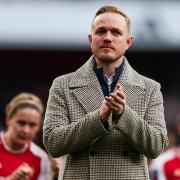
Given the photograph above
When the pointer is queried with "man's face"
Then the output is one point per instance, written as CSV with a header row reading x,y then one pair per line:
x,y
23,126
109,38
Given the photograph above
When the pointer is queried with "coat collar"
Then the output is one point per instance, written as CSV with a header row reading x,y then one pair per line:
x,y
86,87
85,76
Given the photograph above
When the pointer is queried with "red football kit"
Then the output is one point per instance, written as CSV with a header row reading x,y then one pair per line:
x,y
166,166
33,155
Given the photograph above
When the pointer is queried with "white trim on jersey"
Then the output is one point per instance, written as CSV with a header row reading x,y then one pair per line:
x,y
45,162
157,165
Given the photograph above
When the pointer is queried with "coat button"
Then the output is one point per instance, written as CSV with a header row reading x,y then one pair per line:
x,y
92,153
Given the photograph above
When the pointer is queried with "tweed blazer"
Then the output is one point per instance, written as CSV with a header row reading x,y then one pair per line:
x,y
72,127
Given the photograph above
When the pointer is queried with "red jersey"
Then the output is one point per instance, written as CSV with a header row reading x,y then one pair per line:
x,y
33,155
166,166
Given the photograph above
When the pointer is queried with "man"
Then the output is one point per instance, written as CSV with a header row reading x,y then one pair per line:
x,y
105,118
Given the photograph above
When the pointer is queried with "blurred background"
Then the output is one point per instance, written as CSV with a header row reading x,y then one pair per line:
x,y
42,39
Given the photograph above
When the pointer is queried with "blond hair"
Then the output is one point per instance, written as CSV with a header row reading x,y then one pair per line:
x,y
24,100
114,9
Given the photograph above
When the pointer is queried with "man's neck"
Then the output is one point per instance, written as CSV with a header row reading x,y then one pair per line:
x,y
109,68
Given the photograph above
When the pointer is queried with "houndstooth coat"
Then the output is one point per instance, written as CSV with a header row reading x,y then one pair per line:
x,y
72,127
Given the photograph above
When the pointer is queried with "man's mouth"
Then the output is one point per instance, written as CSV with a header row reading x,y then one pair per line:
x,y
107,47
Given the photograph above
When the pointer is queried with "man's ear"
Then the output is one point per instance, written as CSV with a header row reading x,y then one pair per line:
x,y
129,41
90,38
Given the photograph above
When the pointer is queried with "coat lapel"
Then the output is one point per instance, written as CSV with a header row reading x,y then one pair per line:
x,y
86,87
133,84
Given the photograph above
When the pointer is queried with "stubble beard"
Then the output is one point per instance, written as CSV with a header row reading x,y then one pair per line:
x,y
108,59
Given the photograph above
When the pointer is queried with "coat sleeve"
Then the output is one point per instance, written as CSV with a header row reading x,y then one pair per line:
x,y
147,135
62,135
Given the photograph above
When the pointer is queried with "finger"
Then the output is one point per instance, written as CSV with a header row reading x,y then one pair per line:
x,y
18,176
108,104
118,96
117,109
116,100
27,169
105,111
119,87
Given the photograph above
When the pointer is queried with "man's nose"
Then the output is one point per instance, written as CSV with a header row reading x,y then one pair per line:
x,y
108,37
